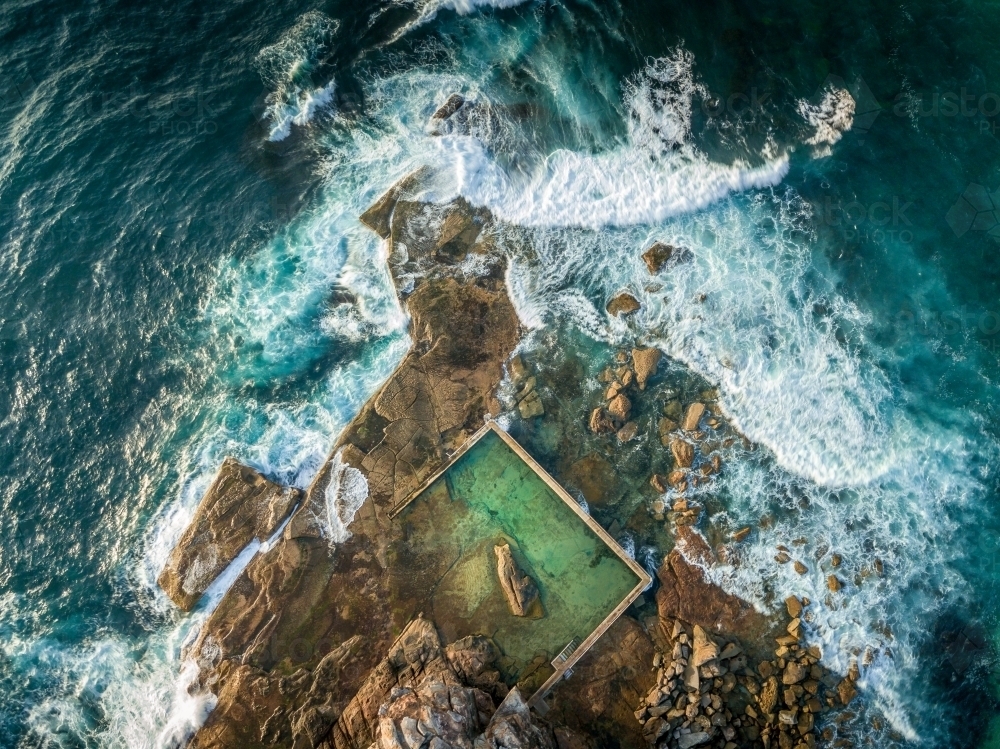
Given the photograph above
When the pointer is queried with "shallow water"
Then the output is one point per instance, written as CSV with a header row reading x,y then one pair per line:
x,y
184,278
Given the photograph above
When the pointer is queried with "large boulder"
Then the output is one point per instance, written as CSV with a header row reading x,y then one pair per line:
x,y
240,506
645,361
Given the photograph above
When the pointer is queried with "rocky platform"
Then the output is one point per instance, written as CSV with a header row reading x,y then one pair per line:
x,y
321,641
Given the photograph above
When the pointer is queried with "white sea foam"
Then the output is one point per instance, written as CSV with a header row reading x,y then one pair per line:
x,y
653,175
286,68
830,119
345,493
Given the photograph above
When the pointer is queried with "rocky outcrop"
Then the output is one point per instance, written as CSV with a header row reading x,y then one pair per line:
x,y
240,506
425,696
645,361
321,585
608,681
623,304
519,589
685,594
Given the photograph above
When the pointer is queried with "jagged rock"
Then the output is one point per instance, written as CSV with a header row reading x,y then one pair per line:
x,y
519,589
623,304
531,406
628,432
794,606
620,407
741,534
600,422
683,452
658,483
657,256
685,594
692,416
846,691
645,362
518,370
239,506
299,601
833,583
705,648
452,104
378,217
513,728
794,673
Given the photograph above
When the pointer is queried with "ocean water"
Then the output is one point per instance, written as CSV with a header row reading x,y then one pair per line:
x,y
183,277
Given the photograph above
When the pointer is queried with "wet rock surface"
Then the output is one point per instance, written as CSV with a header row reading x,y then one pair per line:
x,y
306,599
241,505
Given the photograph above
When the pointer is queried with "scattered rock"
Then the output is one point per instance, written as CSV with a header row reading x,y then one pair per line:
x,y
645,362
658,483
705,649
692,416
620,407
768,697
600,422
794,673
657,256
846,691
683,452
800,568
833,583
741,534
794,606
623,304
628,432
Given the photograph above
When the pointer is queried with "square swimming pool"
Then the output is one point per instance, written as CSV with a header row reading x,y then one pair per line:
x,y
493,492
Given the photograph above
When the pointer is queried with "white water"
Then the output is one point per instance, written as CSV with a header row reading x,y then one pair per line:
x,y
286,67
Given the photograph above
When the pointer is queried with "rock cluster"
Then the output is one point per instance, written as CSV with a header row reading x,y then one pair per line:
x,y
632,368
710,693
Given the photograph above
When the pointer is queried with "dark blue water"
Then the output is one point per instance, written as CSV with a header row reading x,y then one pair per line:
x,y
183,277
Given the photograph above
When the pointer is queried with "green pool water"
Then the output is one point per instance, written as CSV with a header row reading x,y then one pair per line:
x,y
491,495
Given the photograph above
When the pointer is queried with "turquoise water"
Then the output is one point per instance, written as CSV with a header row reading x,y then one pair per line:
x,y
183,277
490,496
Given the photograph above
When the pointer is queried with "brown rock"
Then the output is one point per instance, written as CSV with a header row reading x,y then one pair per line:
x,y
800,568
705,649
676,478
519,589
846,691
531,406
683,452
645,362
600,422
692,416
451,105
623,304
768,697
613,389
835,560
685,594
628,432
741,534
658,483
833,583
794,673
656,256
239,506
620,407
794,606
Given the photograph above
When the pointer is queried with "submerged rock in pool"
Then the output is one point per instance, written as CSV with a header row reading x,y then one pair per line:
x,y
519,589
